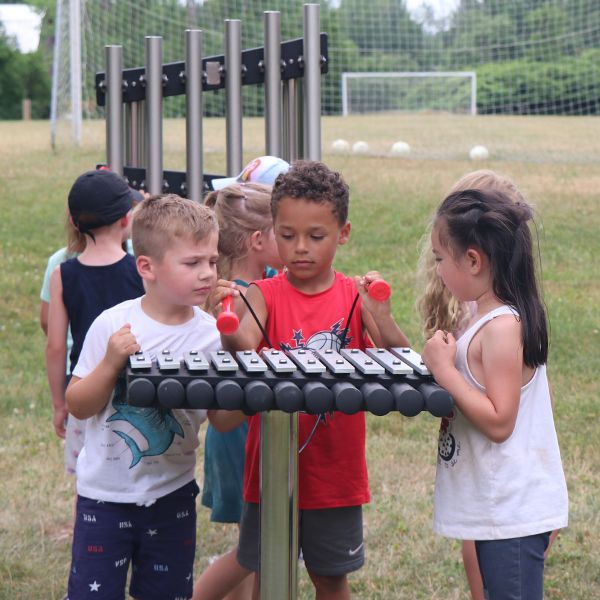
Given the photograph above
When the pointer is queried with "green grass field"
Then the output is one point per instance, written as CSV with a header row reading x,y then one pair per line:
x,y
392,200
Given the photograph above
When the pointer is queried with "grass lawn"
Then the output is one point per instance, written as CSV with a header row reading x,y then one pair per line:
x,y
391,202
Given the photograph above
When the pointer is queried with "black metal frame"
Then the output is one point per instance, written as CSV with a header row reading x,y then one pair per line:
x,y
292,67
174,182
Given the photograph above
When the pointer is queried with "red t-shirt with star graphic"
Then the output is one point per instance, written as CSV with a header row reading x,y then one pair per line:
x,y
332,469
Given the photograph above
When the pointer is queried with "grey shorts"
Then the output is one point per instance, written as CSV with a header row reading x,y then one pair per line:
x,y
331,539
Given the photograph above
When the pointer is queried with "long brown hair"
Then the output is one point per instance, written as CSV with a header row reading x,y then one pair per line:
x,y
491,221
436,305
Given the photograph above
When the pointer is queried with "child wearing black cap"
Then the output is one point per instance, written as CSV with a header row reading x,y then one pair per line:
x,y
103,275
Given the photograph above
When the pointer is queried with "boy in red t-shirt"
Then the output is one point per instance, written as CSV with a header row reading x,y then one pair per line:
x,y
307,307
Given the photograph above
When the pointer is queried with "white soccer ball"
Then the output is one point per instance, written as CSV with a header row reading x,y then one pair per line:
x,y
340,146
400,149
479,153
360,147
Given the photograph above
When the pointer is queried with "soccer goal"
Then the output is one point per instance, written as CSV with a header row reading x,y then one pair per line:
x,y
409,91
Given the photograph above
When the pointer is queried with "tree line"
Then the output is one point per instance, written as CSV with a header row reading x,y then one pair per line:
x,y
531,56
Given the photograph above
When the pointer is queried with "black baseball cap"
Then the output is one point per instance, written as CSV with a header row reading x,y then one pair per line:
x,y
99,198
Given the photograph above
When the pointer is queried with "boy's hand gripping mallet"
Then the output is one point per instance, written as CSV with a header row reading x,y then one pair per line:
x,y
379,290
228,321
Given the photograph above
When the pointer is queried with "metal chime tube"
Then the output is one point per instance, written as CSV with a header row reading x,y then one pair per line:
x,y
154,101
272,62
233,93
290,121
114,108
312,82
134,134
193,122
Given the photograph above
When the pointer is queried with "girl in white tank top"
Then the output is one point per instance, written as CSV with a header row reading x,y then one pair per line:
x,y
499,476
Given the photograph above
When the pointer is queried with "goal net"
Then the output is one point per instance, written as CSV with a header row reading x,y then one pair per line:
x,y
446,91
530,58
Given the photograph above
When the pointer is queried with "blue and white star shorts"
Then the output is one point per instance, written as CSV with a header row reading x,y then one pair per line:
x,y
159,541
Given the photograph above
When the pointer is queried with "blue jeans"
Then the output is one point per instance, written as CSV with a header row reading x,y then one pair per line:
x,y
513,569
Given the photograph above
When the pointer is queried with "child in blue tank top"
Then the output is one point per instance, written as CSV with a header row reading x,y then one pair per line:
x,y
101,276
75,246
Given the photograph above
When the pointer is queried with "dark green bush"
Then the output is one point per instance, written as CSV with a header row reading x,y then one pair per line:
x,y
22,76
522,87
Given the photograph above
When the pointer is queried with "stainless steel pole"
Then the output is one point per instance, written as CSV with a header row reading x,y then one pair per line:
x,y
233,94
279,442
193,95
278,506
114,108
272,62
293,505
312,82
154,100
76,78
55,65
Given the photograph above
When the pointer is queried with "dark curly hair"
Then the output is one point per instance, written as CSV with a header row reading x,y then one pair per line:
x,y
314,181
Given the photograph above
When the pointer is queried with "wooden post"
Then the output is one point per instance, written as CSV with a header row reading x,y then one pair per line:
x,y
26,109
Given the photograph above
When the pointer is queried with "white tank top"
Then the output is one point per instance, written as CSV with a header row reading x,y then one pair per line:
x,y
489,491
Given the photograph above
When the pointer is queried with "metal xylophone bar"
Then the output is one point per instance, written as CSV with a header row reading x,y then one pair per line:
x,y
277,385
377,380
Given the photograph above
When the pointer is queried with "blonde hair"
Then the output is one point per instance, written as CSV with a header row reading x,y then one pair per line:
x,y
438,308
160,220
75,239
241,209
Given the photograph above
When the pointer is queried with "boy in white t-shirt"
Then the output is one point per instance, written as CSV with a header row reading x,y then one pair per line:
x,y
135,474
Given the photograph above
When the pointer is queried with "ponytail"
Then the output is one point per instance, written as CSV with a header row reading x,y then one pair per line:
x,y
241,209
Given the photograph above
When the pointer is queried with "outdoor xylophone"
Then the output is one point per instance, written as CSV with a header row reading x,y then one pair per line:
x,y
315,381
